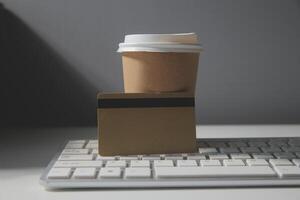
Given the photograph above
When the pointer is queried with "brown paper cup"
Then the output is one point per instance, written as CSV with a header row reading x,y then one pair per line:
x,y
145,72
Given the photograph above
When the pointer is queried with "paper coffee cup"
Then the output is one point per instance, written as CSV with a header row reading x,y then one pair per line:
x,y
160,62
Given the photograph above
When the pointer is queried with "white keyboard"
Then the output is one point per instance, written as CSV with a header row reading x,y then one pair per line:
x,y
219,163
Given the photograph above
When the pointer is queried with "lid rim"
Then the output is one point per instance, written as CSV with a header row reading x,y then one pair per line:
x,y
158,43
189,38
142,49
178,42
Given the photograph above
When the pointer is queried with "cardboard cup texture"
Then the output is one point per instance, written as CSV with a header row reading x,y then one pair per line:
x,y
160,71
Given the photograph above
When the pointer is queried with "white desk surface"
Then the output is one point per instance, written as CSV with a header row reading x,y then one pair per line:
x,y
24,154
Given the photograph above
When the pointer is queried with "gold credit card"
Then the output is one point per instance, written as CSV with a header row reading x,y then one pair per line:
x,y
138,123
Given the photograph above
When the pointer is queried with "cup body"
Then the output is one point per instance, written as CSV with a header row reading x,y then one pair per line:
x,y
156,72
160,62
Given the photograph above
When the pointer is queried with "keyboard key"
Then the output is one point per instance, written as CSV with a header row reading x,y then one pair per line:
x,y
237,144
278,143
240,156
151,157
94,163
234,171
163,163
128,158
140,163
59,173
207,150
93,141
291,149
280,162
257,162
284,155
186,163
296,162
278,139
262,156
206,163
294,143
298,154
105,157
74,146
257,144
76,157
110,172
74,151
174,157
287,171
86,172
92,146
216,144
196,157
250,150
217,156
271,149
116,163
232,162
201,144
76,142
137,173
229,150
184,156
95,151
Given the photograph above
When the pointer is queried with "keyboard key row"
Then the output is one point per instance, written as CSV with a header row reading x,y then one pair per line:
x,y
178,169
74,164
198,172
82,154
90,173
128,173
211,153
172,172
76,157
267,143
178,163
272,143
74,151
175,172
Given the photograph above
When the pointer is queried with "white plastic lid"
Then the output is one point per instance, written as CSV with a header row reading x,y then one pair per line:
x,y
182,42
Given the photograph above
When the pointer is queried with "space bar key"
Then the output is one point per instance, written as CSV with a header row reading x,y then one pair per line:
x,y
196,172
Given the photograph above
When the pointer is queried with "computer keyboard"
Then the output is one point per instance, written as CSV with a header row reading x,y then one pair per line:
x,y
219,163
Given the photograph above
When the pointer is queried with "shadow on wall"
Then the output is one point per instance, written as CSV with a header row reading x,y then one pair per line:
x,y
39,88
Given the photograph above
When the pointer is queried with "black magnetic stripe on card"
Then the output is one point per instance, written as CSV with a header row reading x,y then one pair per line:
x,y
146,102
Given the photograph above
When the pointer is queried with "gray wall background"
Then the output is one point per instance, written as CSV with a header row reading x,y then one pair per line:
x,y
56,54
